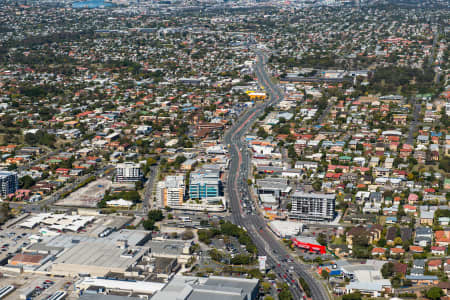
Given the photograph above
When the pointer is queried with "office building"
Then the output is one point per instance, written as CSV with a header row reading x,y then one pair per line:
x,y
273,186
170,192
312,206
204,184
8,183
128,172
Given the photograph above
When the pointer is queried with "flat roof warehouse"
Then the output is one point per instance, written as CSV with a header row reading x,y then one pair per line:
x,y
58,221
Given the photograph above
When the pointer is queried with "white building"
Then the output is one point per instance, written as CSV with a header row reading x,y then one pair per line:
x,y
128,171
313,206
144,130
286,229
170,192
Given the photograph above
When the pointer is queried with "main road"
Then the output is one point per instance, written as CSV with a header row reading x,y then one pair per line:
x,y
278,257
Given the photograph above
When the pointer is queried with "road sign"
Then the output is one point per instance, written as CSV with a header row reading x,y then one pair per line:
x,y
262,262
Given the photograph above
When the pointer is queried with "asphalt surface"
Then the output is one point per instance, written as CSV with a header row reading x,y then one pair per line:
x,y
414,123
278,258
147,202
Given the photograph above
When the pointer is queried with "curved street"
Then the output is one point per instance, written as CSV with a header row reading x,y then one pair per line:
x,y
278,258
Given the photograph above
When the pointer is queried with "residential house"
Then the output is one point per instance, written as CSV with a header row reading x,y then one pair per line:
x,y
434,264
438,250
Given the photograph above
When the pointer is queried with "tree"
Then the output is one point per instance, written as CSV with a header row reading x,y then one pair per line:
x,y
215,254
242,259
305,286
156,215
205,235
26,182
148,224
322,239
151,161
138,185
398,240
4,213
289,206
317,185
262,133
266,287
387,270
444,164
31,139
285,293
325,274
102,204
381,242
435,293
187,235
352,296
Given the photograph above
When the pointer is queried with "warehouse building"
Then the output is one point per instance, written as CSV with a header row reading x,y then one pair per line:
x,y
214,287
96,258
92,286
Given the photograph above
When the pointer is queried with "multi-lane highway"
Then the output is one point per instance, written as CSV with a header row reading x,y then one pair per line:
x,y
283,264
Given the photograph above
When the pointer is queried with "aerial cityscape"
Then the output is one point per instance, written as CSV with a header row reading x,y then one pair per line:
x,y
224,150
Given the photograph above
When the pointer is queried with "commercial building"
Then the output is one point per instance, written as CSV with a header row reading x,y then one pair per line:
x,y
214,287
312,206
169,248
309,244
97,258
170,192
89,285
128,172
285,229
274,186
71,255
8,183
366,278
58,222
27,260
204,184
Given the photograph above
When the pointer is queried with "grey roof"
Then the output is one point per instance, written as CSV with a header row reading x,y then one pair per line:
x,y
313,195
419,263
213,288
427,214
101,254
246,285
275,183
105,297
167,247
423,231
417,271
421,277
133,237
307,162
217,293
